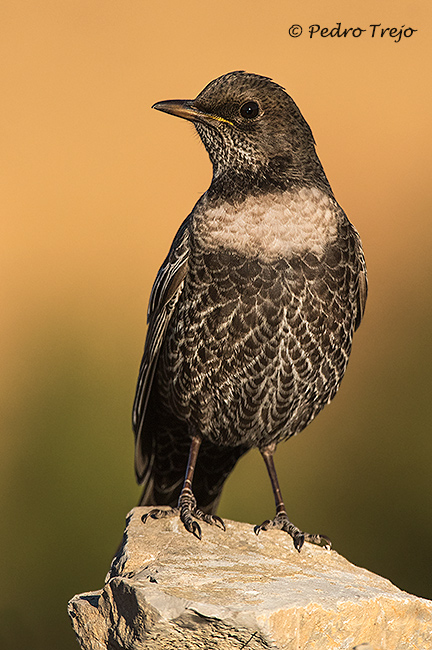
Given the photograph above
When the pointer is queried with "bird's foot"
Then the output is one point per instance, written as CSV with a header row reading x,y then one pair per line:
x,y
157,513
188,511
281,522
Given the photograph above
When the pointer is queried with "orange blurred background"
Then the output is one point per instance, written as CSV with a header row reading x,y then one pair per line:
x,y
93,186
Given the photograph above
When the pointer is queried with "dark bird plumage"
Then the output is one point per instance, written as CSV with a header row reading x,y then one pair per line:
x,y
252,314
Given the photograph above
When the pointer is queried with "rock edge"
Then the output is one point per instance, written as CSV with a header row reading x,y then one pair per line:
x,y
166,589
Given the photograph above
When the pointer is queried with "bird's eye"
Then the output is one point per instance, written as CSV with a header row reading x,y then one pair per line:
x,y
249,110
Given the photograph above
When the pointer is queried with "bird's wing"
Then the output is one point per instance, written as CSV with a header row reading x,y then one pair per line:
x,y
165,293
362,287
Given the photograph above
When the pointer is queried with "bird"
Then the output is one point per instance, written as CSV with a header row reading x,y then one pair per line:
x,y
252,313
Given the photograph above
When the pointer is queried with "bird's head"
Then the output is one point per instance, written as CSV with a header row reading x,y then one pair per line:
x,y
252,130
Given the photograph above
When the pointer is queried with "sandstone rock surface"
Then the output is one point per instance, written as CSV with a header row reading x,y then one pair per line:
x,y
166,589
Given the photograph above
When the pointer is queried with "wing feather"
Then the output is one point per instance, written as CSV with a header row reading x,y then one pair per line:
x,y
362,284
165,293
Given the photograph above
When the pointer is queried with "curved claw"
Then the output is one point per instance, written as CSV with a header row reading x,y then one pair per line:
x,y
263,526
320,540
195,529
159,514
154,514
218,522
299,540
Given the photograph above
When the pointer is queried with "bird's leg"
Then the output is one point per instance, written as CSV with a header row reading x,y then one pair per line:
x,y
281,520
187,507
187,503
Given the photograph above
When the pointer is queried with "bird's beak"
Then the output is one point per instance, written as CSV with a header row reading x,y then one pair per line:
x,y
179,107
185,108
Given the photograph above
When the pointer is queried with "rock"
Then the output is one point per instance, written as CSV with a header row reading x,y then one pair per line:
x,y
167,589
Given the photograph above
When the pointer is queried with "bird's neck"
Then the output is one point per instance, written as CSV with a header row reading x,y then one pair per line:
x,y
235,183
